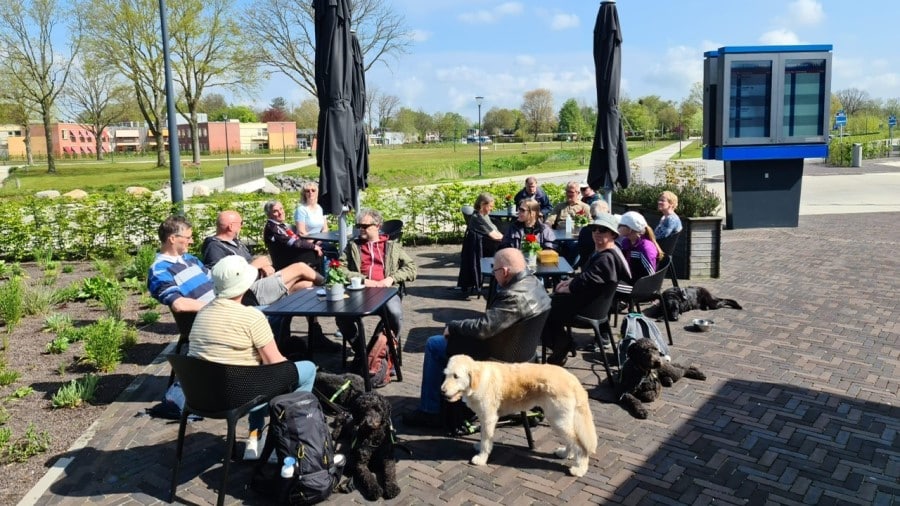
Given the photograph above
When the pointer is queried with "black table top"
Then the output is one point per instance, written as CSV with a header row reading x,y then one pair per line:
x,y
330,236
562,236
503,215
356,303
543,270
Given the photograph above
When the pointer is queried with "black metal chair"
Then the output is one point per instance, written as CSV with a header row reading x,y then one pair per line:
x,y
667,245
649,289
184,321
595,316
393,229
225,392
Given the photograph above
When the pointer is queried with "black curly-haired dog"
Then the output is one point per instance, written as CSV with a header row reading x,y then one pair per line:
x,y
371,461
644,373
682,300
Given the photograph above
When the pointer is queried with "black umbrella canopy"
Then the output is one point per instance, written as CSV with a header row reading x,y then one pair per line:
x,y
361,160
336,148
609,155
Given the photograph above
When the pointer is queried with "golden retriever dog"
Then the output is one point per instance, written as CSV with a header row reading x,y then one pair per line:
x,y
495,389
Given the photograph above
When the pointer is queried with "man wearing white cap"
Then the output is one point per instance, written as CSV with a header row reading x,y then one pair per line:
x,y
227,332
588,195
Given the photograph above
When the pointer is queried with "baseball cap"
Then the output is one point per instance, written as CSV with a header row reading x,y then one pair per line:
x,y
232,276
634,221
583,185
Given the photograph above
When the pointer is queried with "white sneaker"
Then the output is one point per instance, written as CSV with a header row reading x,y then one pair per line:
x,y
255,447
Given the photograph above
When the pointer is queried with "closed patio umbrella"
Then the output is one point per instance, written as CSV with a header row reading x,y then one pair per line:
x,y
609,155
336,151
361,159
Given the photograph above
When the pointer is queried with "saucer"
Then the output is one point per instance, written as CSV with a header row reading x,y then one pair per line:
x,y
348,287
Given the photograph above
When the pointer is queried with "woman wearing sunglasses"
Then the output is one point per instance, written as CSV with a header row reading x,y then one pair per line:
x,y
308,217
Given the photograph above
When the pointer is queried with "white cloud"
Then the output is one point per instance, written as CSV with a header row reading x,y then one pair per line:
x,y
487,16
779,37
525,60
671,77
806,12
564,21
420,35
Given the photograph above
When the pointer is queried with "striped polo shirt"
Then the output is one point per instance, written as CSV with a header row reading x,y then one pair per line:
x,y
172,277
226,332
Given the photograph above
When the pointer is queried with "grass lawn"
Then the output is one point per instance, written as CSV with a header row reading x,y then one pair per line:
x,y
391,166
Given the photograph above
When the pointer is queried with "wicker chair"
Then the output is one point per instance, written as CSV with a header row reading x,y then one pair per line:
x,y
225,392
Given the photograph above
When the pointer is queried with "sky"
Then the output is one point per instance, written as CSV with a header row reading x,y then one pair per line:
x,y
501,49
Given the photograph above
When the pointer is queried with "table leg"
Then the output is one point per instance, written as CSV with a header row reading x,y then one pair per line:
x,y
360,351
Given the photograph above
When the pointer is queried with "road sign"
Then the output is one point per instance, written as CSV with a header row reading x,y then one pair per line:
x,y
840,119
892,121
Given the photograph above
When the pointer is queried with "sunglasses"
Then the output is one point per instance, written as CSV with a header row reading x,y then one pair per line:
x,y
364,225
310,190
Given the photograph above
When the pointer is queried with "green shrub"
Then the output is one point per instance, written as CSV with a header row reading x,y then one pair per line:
x,y
11,303
68,269
93,287
57,322
69,293
103,343
4,417
5,436
29,445
36,300
113,299
683,179
7,376
76,392
141,262
129,337
74,334
148,317
147,301
58,345
134,285
22,392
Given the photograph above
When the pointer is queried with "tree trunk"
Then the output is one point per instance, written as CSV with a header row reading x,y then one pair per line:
x,y
29,156
161,148
195,139
98,142
48,135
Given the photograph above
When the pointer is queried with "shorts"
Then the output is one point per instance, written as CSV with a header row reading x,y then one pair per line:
x,y
269,289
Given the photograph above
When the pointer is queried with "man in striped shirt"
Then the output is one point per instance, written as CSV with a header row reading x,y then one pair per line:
x,y
177,278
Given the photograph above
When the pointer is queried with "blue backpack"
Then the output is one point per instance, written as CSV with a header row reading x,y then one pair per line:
x,y
637,326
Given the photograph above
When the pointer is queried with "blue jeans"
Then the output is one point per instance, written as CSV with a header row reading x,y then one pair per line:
x,y
433,374
306,373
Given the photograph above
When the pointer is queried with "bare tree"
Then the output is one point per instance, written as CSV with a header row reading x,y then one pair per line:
x,y
124,34
27,32
537,107
284,32
97,97
17,110
853,100
385,108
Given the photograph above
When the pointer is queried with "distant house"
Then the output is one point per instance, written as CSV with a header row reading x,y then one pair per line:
x,y
69,139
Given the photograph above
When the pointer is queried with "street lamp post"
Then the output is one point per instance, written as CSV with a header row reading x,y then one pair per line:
x,y
478,101
227,155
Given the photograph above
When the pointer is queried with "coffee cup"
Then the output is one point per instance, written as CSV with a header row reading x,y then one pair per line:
x,y
356,283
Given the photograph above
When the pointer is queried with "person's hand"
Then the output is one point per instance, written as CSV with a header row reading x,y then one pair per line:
x,y
387,282
318,250
563,287
446,332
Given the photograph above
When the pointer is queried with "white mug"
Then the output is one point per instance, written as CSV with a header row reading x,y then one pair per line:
x,y
356,283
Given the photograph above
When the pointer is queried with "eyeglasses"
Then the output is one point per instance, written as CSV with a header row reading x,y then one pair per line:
x,y
520,210
498,269
183,236
364,225
310,190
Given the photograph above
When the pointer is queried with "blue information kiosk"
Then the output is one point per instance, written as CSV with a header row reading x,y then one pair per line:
x,y
765,109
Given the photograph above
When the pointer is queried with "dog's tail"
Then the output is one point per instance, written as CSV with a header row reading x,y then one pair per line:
x,y
585,432
728,303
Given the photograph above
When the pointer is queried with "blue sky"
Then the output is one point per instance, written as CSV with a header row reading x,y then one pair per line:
x,y
500,49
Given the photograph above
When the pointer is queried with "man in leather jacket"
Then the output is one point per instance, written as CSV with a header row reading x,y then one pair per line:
x,y
520,296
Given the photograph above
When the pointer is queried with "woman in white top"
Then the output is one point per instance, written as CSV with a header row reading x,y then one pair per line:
x,y
308,217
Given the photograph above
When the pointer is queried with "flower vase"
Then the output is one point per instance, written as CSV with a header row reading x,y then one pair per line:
x,y
335,292
531,260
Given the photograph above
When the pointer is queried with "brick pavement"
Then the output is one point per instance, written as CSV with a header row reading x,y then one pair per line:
x,y
800,406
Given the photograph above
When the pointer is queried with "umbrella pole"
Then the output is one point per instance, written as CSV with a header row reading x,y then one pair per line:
x,y
608,191
342,228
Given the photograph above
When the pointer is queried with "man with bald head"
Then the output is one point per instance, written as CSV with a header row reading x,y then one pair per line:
x,y
520,296
271,285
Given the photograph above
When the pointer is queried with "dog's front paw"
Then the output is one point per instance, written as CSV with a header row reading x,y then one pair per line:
x,y
641,412
480,459
666,381
694,373
372,493
391,490
563,452
578,470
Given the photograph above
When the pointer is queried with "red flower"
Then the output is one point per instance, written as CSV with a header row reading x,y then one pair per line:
x,y
531,238
580,212
334,263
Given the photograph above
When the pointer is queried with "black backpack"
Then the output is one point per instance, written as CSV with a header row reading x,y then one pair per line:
x,y
297,428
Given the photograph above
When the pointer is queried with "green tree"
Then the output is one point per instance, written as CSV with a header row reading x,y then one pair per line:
x,y
124,34
450,126
284,35
589,115
306,115
31,55
501,121
570,119
242,113
209,50
214,105
637,117
853,100
537,108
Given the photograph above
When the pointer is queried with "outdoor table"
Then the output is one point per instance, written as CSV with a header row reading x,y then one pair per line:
x,y
502,219
547,272
563,237
355,304
331,236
